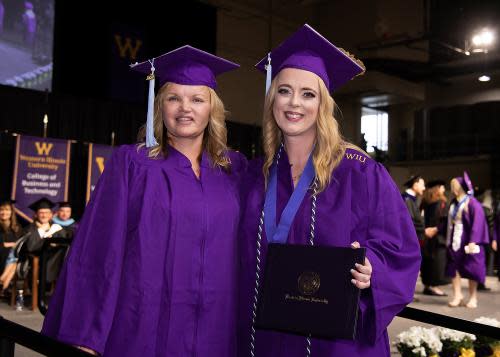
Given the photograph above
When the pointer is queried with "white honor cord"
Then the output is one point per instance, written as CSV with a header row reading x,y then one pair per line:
x,y
311,242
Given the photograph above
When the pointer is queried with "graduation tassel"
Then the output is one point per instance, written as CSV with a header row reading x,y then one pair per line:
x,y
269,72
150,133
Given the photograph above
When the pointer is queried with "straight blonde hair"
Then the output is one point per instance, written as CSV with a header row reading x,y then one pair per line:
x,y
330,146
214,137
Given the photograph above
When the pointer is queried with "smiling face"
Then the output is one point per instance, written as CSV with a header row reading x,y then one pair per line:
x,y
44,215
5,213
186,110
64,213
296,103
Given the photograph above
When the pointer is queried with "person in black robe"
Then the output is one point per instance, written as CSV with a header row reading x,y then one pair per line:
x,y
64,219
41,229
434,205
415,187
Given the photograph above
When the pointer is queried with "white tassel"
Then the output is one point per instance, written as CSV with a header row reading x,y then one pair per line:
x,y
269,72
150,132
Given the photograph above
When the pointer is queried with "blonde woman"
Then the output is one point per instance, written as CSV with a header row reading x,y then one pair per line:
x,y
349,201
152,270
467,236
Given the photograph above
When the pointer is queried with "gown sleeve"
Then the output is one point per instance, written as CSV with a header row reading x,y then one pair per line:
x,y
478,225
82,308
393,250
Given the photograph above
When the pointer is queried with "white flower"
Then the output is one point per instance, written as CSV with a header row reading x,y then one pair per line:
x,y
419,351
452,335
488,321
416,336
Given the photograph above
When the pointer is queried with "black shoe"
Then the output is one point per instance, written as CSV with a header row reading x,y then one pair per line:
x,y
429,291
482,287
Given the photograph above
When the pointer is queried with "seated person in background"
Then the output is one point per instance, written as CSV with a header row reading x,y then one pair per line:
x,y
42,228
10,231
63,218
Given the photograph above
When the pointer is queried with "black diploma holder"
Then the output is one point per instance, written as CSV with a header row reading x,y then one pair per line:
x,y
307,290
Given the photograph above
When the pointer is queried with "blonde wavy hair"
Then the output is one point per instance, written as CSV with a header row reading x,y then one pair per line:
x,y
214,137
330,145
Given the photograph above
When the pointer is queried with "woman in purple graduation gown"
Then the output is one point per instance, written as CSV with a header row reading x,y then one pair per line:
x,y
466,238
351,201
152,270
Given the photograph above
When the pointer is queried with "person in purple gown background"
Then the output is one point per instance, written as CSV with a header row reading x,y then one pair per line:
x,y
349,201
467,235
2,14
29,24
152,269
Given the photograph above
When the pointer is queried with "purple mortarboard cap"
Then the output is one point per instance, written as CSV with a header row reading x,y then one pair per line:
x,y
28,5
466,183
185,65
308,50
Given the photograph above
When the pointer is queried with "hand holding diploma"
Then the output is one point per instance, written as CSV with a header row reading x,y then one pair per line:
x,y
362,274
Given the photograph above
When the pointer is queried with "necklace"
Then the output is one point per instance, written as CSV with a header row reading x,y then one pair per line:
x,y
297,177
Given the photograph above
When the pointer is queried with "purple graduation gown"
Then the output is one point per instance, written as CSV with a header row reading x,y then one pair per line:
x,y
362,204
475,229
152,270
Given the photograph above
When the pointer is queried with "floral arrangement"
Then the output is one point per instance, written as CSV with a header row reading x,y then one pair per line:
x,y
487,346
417,342
439,341
455,343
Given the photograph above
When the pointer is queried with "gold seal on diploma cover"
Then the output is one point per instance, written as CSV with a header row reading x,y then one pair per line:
x,y
309,283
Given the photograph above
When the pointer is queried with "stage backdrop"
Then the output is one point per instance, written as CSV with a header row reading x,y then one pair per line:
x,y
98,156
41,169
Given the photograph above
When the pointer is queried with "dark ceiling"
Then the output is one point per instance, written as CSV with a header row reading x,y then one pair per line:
x,y
449,25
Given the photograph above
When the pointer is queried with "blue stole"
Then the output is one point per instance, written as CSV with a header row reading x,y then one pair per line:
x,y
457,207
279,234
62,223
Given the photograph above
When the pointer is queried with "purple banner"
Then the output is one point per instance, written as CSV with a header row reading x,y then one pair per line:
x,y
98,156
41,169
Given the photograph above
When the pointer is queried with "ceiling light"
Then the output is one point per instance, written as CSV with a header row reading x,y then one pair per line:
x,y
483,38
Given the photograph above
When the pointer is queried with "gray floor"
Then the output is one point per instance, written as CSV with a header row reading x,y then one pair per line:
x,y
489,305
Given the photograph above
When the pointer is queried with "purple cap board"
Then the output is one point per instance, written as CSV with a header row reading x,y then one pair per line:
x,y
466,183
308,50
185,65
